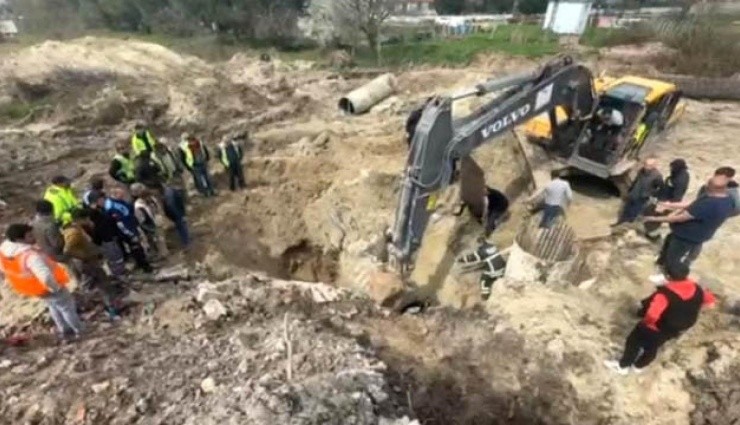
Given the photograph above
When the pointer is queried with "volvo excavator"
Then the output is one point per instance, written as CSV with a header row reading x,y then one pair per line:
x,y
561,90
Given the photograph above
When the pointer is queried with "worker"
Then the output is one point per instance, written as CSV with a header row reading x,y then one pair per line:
x,y
46,231
231,154
97,184
557,196
693,226
32,273
647,184
79,246
724,176
669,312
128,227
148,212
149,173
63,198
105,234
727,177
194,154
121,166
142,140
167,161
610,117
175,210
494,269
673,190
496,207
413,120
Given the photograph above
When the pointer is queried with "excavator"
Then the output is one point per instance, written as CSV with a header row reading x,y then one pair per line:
x,y
563,92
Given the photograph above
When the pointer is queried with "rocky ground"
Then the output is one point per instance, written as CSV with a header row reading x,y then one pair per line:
x,y
237,346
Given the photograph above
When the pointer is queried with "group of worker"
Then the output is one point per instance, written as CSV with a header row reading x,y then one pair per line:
x,y
110,224
652,200
675,305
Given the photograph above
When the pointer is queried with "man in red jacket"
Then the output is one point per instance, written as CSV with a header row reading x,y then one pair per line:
x,y
671,310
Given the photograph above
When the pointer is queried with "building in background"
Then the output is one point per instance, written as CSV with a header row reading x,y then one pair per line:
x,y
567,17
8,30
415,7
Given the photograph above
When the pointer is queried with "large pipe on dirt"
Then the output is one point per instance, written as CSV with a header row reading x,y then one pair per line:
x,y
362,99
705,88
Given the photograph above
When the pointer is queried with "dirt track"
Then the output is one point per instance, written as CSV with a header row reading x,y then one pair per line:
x,y
321,194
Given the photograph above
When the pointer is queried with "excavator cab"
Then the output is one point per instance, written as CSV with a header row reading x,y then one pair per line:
x,y
647,107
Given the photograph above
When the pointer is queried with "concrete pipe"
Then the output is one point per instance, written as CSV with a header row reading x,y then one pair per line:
x,y
369,95
545,255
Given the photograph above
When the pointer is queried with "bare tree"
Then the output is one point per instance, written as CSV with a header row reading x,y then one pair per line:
x,y
367,16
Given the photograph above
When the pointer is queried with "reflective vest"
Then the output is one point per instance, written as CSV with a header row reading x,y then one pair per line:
x,y
23,281
127,167
167,163
224,157
189,159
640,134
162,168
64,201
139,145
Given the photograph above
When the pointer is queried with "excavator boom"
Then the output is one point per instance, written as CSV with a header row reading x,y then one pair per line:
x,y
439,141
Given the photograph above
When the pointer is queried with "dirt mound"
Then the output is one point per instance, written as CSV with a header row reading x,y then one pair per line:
x,y
274,357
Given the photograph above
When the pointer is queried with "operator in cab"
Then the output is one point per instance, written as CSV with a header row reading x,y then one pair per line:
x,y
607,136
611,118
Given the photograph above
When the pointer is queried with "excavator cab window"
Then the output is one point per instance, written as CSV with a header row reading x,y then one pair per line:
x,y
607,138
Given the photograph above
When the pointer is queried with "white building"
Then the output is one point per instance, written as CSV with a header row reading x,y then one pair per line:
x,y
415,7
7,29
567,17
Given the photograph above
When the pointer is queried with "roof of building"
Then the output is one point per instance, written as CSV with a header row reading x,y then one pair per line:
x,y
8,27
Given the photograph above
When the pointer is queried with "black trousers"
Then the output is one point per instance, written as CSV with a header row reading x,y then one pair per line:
x,y
236,177
642,346
136,251
676,250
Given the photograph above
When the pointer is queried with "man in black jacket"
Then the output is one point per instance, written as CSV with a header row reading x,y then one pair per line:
x,y
105,234
646,185
148,172
673,190
230,153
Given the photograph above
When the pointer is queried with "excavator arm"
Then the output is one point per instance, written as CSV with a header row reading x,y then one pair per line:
x,y
439,141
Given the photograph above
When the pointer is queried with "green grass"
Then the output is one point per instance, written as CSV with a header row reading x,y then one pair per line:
x,y
517,40
609,37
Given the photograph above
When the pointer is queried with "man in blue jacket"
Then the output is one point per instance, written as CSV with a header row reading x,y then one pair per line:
x,y
128,227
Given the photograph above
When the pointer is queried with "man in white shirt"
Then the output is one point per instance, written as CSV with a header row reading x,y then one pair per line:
x,y
558,195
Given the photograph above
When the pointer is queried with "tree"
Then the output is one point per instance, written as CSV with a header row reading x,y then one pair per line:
x,y
368,16
449,7
532,7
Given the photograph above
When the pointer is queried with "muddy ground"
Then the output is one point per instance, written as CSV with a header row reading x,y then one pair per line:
x,y
322,191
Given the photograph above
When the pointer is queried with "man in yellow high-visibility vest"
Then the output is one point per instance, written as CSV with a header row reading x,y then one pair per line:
x,y
122,167
195,156
63,198
142,140
231,155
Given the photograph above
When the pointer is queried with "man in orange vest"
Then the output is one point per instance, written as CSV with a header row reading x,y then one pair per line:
x,y
32,273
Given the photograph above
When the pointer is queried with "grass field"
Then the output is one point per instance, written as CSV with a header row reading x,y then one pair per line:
x,y
517,40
